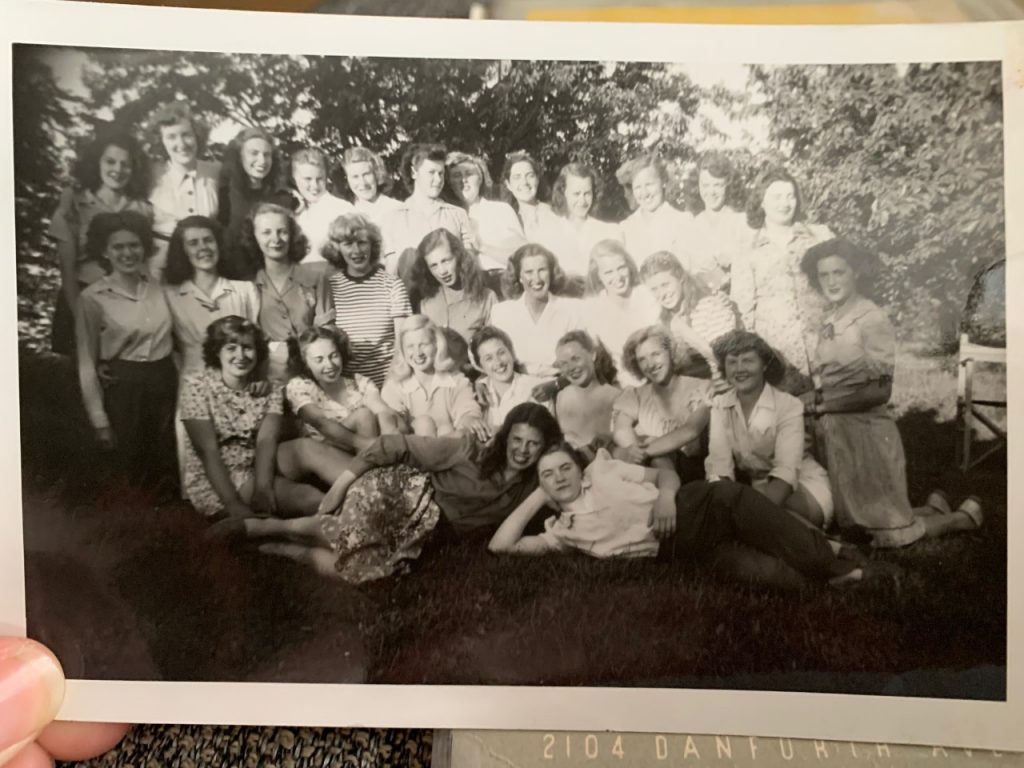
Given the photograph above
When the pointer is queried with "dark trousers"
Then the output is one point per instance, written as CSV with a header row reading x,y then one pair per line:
x,y
711,514
140,404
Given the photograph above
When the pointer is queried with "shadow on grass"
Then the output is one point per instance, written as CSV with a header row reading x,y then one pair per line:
x,y
114,566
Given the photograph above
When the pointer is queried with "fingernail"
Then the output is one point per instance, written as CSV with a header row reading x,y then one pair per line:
x,y
31,690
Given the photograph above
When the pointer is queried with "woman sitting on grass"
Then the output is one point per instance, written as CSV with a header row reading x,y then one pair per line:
x,y
430,397
757,431
504,384
230,458
857,438
386,505
613,509
584,406
338,410
664,418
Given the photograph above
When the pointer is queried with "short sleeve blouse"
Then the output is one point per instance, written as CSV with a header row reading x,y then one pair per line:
x,y
302,391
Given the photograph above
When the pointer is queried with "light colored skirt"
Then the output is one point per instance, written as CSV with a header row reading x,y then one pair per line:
x,y
863,454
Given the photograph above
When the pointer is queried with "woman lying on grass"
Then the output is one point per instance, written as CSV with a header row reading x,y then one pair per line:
x,y
386,505
615,509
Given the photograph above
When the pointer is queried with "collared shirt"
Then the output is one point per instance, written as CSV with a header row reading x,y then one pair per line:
x,y
70,224
576,241
469,501
712,241
519,391
453,309
541,225
497,230
379,209
114,323
644,233
446,398
302,391
768,444
653,417
855,348
315,221
613,319
178,193
535,341
193,311
290,311
408,224
611,516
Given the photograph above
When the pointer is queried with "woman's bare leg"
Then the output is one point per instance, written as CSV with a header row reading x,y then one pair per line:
x,y
300,458
301,530
319,559
296,499
365,426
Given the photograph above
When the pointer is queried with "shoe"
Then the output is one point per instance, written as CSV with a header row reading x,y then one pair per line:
x,y
971,506
873,572
939,502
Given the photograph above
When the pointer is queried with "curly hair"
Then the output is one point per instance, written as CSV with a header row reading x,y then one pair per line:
x,y
605,371
170,114
346,228
443,362
232,172
233,328
580,171
309,156
692,290
486,182
604,249
629,169
104,225
179,268
415,155
354,155
249,249
511,286
494,458
491,333
638,337
421,282
864,263
737,342
86,172
297,348
755,207
511,160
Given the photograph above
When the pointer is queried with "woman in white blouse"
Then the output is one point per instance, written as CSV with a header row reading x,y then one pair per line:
x,y
521,180
317,207
574,198
655,225
718,231
368,181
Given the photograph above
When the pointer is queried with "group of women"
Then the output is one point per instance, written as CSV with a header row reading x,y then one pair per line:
x,y
344,374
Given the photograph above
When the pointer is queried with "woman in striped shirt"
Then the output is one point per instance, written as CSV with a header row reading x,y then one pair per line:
x,y
364,300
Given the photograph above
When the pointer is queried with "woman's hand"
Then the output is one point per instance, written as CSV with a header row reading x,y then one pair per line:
x,y
104,375
480,394
478,427
259,388
264,501
31,692
105,437
663,516
545,391
634,454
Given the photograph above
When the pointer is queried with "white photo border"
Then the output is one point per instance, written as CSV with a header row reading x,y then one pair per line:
x,y
977,724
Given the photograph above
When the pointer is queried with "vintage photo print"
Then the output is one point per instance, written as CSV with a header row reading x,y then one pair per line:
x,y
502,375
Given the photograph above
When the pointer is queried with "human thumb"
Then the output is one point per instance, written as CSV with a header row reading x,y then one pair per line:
x,y
31,692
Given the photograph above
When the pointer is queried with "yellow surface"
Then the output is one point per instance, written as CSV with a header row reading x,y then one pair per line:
x,y
780,13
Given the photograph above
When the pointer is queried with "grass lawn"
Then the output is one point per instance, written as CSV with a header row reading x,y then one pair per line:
x,y
125,590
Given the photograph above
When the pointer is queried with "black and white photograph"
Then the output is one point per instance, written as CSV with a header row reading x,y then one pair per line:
x,y
513,371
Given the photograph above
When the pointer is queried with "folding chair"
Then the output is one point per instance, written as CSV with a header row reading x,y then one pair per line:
x,y
968,414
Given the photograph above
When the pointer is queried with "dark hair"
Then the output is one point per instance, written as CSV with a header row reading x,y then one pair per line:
x,y
506,173
364,155
232,172
580,170
87,169
103,225
719,166
414,156
421,282
179,268
693,289
604,248
249,249
297,348
638,337
345,227
170,114
494,457
863,262
737,342
755,211
563,446
490,333
510,285
604,367
232,328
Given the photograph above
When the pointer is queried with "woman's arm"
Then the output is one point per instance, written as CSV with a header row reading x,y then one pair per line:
x,y
204,440
333,431
509,539
624,434
684,435
719,463
265,465
663,512
87,331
